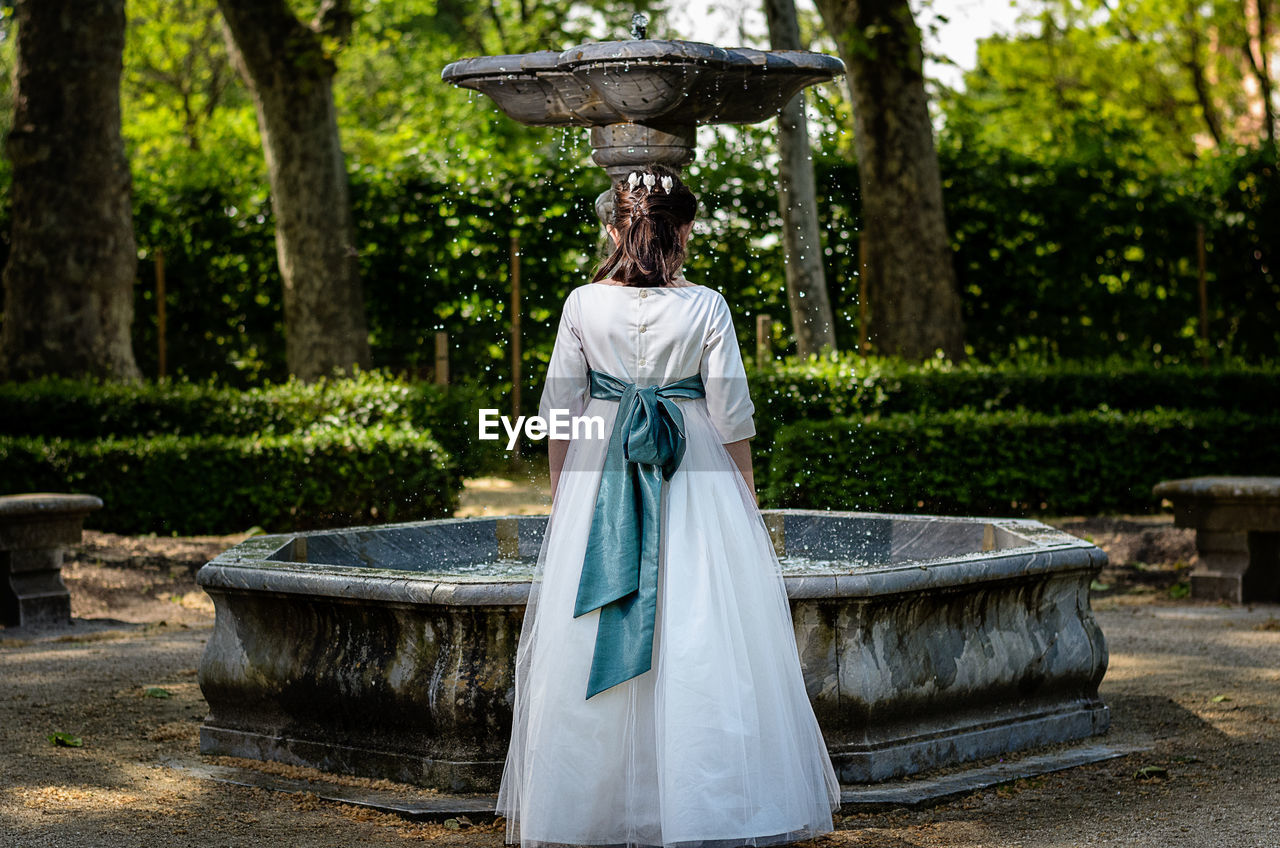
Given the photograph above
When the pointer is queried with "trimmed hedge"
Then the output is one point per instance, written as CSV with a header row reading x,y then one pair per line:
x,y
193,458
1072,253
329,476
87,410
823,389
180,457
1012,462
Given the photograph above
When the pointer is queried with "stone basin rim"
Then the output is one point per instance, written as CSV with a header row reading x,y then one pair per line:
x,y
348,583
248,566
724,59
1220,487
40,504
1006,522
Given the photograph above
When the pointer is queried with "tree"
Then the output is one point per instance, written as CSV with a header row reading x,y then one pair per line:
x,y
68,283
1129,80
811,316
914,305
290,73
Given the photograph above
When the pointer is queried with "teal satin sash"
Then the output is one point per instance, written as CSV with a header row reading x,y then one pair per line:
x,y
620,570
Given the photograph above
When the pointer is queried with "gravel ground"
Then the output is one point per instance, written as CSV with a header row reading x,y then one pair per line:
x,y
1198,682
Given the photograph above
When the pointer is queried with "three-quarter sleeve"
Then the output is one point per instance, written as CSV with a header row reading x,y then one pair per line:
x,y
567,383
725,378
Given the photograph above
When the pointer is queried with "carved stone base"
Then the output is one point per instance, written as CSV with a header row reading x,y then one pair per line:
x,y
1237,523
34,529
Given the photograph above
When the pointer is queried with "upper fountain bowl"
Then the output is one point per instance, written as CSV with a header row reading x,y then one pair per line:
x,y
653,82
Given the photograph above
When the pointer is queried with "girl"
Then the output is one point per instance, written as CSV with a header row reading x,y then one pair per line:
x,y
659,699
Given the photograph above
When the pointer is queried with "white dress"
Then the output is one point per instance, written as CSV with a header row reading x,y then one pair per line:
x,y
717,744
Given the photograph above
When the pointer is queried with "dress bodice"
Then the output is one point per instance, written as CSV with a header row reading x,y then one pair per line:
x,y
650,336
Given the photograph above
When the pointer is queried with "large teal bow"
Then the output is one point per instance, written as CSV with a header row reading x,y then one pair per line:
x,y
620,571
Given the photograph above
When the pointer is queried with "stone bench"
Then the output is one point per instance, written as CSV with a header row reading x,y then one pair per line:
x,y
34,530
1237,524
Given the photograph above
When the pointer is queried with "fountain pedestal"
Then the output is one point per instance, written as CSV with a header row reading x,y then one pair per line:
x,y
1237,524
34,531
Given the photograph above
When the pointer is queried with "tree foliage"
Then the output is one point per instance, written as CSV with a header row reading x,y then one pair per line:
x,y
1143,83
1072,221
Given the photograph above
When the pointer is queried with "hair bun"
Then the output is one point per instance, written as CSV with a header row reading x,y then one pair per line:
x,y
649,255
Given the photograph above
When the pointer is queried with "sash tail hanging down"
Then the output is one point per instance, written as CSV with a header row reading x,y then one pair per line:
x,y
620,570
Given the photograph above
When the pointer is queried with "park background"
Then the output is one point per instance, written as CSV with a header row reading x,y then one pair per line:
x,y
1109,180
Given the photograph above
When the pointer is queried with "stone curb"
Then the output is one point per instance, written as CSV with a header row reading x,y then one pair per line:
x,y
911,793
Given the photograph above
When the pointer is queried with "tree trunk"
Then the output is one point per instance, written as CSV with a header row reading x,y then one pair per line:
x,y
811,317
914,305
1260,64
1195,67
285,66
69,281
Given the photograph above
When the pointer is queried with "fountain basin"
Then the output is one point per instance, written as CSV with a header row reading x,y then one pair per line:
x,y
389,651
644,98
644,81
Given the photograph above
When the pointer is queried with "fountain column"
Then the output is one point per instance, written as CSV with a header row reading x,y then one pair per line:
x,y
621,148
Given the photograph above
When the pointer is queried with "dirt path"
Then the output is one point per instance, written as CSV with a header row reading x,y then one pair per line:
x,y
1199,682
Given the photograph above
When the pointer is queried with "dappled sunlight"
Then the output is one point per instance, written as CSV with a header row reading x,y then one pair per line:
x,y
1124,667
138,797
483,496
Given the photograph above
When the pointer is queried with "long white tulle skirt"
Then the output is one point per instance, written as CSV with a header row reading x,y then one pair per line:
x,y
715,745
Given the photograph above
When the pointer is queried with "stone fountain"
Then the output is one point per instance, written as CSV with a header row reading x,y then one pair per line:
x,y
389,651
643,99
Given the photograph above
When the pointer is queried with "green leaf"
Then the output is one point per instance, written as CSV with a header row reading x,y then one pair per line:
x,y
60,739
157,692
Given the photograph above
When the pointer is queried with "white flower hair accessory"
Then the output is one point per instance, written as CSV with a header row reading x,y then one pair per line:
x,y
650,181
667,183
633,180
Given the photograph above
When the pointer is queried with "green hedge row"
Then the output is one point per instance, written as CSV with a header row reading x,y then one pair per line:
x,y
1012,462
78,409
329,476
823,389
1072,253
783,391
90,411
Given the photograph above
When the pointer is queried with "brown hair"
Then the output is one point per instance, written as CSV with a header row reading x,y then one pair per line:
x,y
648,221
